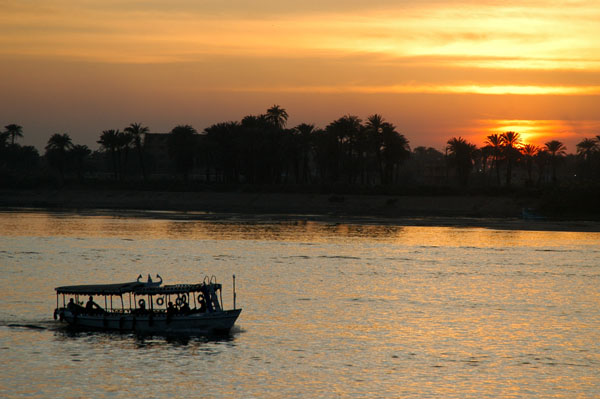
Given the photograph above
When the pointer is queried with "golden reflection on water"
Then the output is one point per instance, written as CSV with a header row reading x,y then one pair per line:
x,y
359,310
71,225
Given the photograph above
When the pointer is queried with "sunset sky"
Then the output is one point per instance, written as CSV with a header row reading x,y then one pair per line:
x,y
434,68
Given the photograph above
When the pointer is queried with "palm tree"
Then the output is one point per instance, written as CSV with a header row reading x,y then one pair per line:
x,y
495,143
510,145
182,146
395,150
529,151
261,149
60,142
586,147
305,134
374,127
56,151
14,131
221,150
124,140
137,130
485,153
3,139
461,154
79,153
345,131
277,116
542,159
557,151
110,141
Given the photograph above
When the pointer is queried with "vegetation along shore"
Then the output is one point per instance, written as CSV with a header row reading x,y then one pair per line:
x,y
259,165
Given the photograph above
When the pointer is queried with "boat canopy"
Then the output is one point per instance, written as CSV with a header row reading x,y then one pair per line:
x,y
137,288
100,289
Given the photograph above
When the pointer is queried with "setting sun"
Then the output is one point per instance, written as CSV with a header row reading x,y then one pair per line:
x,y
530,132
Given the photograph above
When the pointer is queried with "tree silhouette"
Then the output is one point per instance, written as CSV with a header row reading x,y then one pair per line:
x,y
27,158
529,152
395,150
304,138
4,139
511,143
460,154
277,116
182,147
124,142
4,152
79,154
136,130
374,127
542,159
586,150
587,147
495,143
20,159
325,151
557,151
486,152
345,131
221,151
56,151
109,140
14,131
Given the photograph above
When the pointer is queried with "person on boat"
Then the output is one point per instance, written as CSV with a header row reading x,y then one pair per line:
x,y
142,307
202,304
185,308
92,307
74,307
171,310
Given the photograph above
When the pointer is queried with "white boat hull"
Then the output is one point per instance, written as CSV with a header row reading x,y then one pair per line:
x,y
155,323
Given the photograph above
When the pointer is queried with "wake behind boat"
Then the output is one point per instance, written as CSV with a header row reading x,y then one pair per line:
x,y
148,307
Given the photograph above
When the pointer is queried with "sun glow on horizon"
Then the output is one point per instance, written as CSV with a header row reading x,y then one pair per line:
x,y
435,67
427,89
536,132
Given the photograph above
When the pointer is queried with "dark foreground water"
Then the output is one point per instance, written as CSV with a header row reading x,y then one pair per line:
x,y
330,310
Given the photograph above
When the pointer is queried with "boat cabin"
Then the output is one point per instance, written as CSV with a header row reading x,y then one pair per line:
x,y
138,297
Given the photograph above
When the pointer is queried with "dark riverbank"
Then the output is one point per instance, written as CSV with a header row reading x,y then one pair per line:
x,y
269,203
445,209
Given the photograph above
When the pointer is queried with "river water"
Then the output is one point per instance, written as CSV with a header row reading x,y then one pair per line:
x,y
329,309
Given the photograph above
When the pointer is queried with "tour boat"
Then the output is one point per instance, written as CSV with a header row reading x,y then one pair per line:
x,y
148,307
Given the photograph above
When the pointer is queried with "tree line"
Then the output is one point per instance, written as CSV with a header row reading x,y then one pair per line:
x,y
263,150
503,152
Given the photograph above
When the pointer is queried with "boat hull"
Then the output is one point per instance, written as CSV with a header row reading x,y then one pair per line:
x,y
154,323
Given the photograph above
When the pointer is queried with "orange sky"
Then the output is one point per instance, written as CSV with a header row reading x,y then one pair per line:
x,y
435,68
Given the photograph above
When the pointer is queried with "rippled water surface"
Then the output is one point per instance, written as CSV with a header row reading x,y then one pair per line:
x,y
329,309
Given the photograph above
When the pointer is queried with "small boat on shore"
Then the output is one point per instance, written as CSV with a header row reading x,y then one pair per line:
x,y
148,308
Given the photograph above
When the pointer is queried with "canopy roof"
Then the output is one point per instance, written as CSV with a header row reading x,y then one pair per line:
x,y
135,287
100,289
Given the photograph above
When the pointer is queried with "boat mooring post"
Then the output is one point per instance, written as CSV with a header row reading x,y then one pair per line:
x,y
234,294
